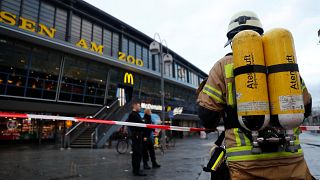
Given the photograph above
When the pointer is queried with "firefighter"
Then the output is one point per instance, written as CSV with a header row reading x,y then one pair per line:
x,y
217,98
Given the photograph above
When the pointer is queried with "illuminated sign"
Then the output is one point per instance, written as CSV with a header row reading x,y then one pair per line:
x,y
128,78
177,110
130,59
26,24
151,106
12,124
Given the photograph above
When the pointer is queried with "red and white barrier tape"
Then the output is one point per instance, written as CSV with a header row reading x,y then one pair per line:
x,y
310,128
90,120
111,122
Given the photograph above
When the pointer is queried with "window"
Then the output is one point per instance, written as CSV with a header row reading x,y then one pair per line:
x,y
145,57
30,9
124,48
168,69
75,28
29,129
107,42
28,71
150,90
136,85
13,69
115,44
131,48
169,91
97,34
181,73
155,63
83,81
138,51
150,60
96,83
116,76
86,30
43,74
46,14
11,6
61,24
193,78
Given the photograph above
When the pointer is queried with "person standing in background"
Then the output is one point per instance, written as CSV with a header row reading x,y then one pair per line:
x,y
148,143
137,139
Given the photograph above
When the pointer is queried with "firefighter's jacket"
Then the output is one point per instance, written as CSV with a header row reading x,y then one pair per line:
x,y
218,97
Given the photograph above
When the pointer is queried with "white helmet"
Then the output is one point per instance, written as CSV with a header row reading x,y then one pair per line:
x,y
243,20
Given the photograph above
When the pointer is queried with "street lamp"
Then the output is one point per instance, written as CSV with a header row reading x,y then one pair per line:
x,y
319,36
157,48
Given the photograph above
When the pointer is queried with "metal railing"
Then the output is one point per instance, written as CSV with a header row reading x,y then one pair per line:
x,y
102,130
93,138
112,107
67,135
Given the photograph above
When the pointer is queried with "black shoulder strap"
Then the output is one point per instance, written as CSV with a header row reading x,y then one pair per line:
x,y
220,139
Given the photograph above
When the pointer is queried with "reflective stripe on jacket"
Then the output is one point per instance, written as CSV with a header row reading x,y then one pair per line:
x,y
238,147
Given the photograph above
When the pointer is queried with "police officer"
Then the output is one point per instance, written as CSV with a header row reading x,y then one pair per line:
x,y
217,97
137,139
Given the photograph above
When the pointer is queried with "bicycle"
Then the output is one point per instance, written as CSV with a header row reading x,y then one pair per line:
x,y
123,144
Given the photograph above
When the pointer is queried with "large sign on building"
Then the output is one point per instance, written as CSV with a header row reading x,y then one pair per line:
x,y
26,24
128,78
41,29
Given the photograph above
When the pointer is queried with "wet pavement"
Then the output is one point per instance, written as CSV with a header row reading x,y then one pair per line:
x,y
310,143
183,162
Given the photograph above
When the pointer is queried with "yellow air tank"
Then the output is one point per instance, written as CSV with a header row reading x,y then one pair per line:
x,y
284,86
250,81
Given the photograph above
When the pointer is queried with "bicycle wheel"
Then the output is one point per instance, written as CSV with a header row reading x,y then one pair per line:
x,y
122,146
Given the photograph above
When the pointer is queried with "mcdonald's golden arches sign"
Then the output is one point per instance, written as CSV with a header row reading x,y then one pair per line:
x,y
128,78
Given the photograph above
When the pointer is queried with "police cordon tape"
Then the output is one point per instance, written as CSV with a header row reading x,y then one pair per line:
x,y
111,122
102,121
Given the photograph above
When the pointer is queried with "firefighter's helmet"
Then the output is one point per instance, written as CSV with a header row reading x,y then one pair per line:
x,y
243,20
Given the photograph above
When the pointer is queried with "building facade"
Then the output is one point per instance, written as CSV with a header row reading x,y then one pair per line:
x,y
66,57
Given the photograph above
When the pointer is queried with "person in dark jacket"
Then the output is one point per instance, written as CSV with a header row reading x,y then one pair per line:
x,y
148,143
137,139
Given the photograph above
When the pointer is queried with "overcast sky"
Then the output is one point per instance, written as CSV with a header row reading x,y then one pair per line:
x,y
196,29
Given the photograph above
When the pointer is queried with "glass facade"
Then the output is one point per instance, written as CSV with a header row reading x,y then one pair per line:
x,y
51,15
28,71
83,81
32,71
27,129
